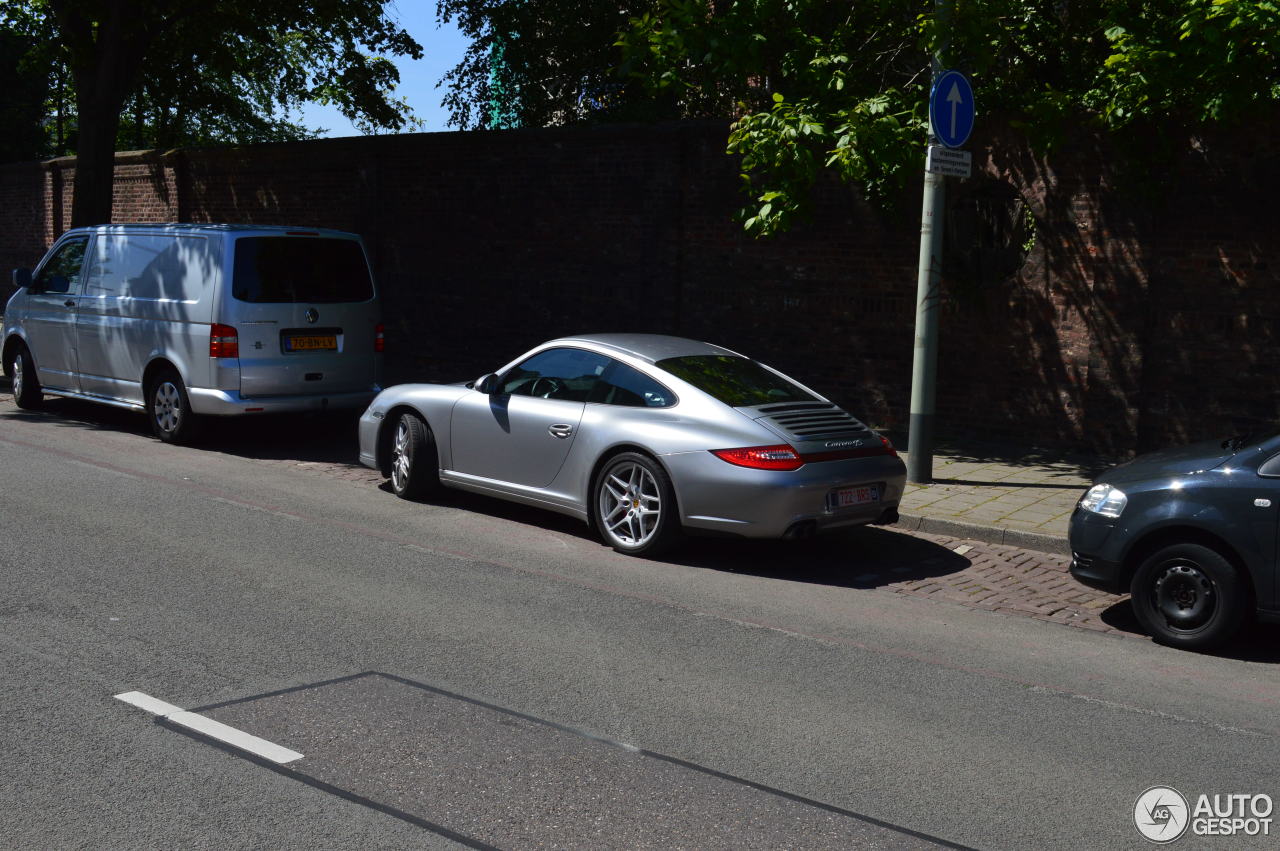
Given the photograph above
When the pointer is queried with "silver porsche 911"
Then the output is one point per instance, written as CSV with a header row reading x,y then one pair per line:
x,y
643,437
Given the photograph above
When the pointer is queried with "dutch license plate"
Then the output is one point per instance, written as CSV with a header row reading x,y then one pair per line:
x,y
862,495
310,342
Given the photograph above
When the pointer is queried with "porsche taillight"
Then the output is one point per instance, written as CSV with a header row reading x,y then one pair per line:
x,y
778,457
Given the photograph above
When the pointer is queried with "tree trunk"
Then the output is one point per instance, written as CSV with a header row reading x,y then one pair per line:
x,y
106,57
95,164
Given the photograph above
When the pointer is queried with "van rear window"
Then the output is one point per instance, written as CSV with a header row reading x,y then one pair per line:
x,y
281,269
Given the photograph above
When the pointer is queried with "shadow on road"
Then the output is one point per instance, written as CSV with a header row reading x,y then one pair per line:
x,y
327,437
862,557
856,558
865,557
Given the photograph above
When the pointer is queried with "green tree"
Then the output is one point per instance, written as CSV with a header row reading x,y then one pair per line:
x,y
815,86
25,92
540,63
220,71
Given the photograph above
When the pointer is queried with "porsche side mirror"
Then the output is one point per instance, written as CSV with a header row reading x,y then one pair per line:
x,y
21,278
487,384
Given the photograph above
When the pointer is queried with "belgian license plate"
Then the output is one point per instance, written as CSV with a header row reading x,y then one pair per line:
x,y
861,495
310,342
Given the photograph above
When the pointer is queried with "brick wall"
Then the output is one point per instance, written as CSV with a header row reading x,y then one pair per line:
x,y
24,211
1142,314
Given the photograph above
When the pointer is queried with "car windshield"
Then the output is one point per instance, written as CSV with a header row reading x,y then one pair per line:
x,y
738,382
290,270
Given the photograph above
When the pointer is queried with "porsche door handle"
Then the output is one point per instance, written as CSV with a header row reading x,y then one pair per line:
x,y
560,430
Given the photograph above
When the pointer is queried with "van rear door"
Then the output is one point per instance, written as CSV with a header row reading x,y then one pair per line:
x,y
305,312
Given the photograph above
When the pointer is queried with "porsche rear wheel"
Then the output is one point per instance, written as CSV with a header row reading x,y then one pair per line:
x,y
635,506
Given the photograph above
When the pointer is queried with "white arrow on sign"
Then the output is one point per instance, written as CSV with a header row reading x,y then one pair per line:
x,y
955,100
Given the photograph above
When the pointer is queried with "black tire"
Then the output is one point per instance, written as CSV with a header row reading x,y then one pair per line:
x,y
169,409
26,386
1189,596
623,499
415,464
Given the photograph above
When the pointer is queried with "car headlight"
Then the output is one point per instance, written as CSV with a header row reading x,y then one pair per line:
x,y
1105,500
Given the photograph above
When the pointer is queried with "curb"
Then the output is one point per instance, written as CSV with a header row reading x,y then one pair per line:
x,y
1039,541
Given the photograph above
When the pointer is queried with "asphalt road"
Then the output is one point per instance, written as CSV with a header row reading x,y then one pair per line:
x,y
474,673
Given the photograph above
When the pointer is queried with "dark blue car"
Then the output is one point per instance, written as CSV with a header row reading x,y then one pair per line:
x,y
1191,534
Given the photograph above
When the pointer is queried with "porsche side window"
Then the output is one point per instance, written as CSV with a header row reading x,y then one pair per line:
x,y
622,385
568,374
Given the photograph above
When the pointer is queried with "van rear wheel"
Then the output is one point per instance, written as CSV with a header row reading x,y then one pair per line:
x,y
26,387
169,409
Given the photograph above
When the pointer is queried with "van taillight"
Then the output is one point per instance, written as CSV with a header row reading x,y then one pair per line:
x,y
223,342
379,340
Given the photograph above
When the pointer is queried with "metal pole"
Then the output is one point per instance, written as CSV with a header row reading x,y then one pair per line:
x,y
924,365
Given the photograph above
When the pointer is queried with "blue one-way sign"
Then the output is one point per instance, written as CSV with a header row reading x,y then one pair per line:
x,y
951,109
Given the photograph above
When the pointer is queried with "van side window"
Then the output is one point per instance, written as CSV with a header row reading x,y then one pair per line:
x,y
155,266
62,272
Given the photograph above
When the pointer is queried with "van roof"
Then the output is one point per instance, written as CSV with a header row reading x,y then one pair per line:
x,y
298,230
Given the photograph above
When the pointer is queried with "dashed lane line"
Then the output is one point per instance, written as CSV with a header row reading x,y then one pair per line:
x,y
210,728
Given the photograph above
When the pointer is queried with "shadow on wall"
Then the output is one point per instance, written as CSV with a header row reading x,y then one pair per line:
x,y
1069,365
1082,309
1146,313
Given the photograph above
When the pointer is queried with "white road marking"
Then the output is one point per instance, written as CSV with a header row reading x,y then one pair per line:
x,y
148,703
213,729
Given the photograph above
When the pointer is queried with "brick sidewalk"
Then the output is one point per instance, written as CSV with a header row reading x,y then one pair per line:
x,y
1017,581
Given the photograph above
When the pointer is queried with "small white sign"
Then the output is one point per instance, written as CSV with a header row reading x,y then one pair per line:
x,y
948,161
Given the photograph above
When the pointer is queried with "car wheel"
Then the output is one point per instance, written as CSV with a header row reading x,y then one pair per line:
x,y
1189,596
415,465
26,387
169,409
635,506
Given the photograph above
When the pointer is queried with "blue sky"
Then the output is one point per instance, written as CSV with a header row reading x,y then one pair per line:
x,y
442,49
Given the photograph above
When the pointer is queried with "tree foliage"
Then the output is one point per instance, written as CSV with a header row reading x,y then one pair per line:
x,y
169,72
814,86
25,94
540,63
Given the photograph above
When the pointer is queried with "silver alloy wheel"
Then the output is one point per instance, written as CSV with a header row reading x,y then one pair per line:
x,y
400,459
629,505
17,376
167,407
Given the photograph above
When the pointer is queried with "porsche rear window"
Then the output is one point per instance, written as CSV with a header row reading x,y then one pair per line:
x,y
285,269
736,381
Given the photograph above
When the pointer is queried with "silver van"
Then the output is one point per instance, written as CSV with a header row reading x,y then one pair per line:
x,y
181,321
